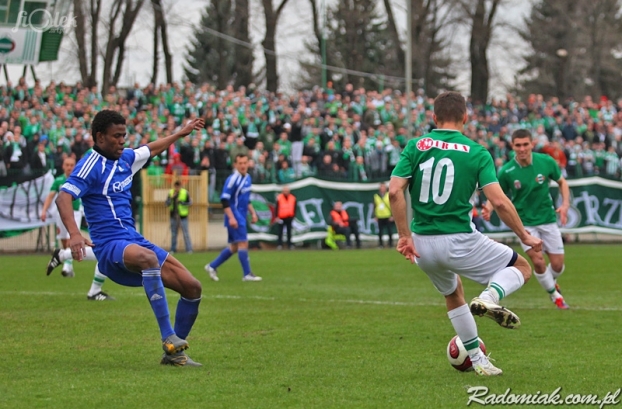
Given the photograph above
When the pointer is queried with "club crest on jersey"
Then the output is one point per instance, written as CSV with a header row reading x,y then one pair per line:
x,y
540,178
425,144
517,184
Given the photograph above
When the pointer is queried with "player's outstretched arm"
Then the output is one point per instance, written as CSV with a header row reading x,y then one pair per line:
x,y
564,191
158,146
77,242
253,213
507,213
46,205
405,244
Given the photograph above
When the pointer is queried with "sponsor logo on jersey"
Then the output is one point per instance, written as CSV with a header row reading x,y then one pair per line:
x,y
120,186
510,169
517,184
540,178
425,144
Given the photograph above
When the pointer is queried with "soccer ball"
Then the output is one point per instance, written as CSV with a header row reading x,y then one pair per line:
x,y
458,356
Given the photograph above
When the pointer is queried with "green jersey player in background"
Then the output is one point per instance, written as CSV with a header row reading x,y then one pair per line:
x,y
63,256
525,179
442,169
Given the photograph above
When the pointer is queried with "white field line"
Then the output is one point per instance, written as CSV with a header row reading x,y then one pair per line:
x,y
309,300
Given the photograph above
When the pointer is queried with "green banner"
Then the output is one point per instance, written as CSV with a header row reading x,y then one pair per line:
x,y
315,201
596,207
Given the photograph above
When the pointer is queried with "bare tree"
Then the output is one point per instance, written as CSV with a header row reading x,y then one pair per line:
x,y
243,55
80,33
114,52
392,27
480,15
269,43
160,32
87,63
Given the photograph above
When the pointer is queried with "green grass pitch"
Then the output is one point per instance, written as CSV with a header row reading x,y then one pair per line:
x,y
346,329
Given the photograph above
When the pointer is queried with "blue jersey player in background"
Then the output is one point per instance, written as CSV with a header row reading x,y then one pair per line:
x,y
236,202
103,180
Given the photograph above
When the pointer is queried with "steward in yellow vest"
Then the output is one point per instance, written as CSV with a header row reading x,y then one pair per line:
x,y
178,202
383,215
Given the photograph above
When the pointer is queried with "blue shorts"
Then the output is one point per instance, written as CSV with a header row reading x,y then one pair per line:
x,y
110,258
237,235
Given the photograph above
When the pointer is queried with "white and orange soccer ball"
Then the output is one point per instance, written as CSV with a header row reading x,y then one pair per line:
x,y
458,356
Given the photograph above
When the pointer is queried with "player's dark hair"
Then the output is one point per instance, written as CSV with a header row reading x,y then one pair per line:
x,y
449,107
240,155
103,120
520,134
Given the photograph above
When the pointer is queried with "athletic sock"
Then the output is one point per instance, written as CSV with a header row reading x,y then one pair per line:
x,y
152,282
68,265
186,314
222,257
65,254
244,261
554,273
504,283
98,282
464,325
66,257
546,280
89,254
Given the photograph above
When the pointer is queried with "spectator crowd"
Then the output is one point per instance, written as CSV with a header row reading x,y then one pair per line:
x,y
351,135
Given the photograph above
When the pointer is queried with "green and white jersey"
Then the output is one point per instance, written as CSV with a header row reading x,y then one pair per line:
x,y
58,182
445,168
528,187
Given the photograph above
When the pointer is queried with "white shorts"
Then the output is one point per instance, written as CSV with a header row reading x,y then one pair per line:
x,y
62,231
551,238
470,255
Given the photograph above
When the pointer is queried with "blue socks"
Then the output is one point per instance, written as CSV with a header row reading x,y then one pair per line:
x,y
222,257
187,311
152,282
245,261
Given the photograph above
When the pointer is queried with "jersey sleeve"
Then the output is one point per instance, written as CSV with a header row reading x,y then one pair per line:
x,y
138,157
487,173
56,185
84,176
404,168
229,188
504,181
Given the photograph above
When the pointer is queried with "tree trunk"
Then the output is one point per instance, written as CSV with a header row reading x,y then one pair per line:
x,y
316,25
156,45
243,54
272,17
80,33
401,56
482,25
129,17
95,14
161,25
111,46
168,58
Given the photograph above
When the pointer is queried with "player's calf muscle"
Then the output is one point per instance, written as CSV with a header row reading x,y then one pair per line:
x,y
523,266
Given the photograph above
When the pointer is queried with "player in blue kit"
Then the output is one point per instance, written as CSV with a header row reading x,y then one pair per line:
x,y
103,181
236,202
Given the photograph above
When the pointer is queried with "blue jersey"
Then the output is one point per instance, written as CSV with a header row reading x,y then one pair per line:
x,y
237,191
104,187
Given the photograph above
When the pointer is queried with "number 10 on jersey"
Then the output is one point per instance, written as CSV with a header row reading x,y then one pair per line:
x,y
432,175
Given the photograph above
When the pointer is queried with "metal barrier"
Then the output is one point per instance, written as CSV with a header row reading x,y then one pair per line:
x,y
155,221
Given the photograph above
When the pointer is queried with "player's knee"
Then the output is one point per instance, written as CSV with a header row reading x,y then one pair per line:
x,y
193,289
523,266
557,265
146,259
